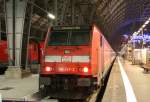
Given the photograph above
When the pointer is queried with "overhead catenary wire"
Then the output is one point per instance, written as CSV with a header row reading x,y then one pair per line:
x,y
42,9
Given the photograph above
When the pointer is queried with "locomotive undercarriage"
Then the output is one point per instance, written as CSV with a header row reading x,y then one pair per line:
x,y
67,86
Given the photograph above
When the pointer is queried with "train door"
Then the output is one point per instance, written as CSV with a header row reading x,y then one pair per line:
x,y
101,54
34,56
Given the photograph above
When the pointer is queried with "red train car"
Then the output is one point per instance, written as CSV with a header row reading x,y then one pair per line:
x,y
75,61
3,54
33,54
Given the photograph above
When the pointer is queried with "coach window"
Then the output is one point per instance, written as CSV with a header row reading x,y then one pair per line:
x,y
101,41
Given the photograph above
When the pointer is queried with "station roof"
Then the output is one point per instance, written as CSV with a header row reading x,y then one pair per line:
x,y
114,17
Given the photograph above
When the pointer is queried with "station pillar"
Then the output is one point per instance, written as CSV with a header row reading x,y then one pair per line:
x,y
15,16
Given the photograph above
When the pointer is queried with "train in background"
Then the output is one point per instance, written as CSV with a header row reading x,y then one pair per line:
x,y
3,56
75,62
34,55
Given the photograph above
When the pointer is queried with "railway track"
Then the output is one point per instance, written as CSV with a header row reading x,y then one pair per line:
x,y
95,97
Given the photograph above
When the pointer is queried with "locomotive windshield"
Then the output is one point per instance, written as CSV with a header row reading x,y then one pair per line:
x,y
69,38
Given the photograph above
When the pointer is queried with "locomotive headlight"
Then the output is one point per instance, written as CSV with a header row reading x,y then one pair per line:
x,y
85,69
48,69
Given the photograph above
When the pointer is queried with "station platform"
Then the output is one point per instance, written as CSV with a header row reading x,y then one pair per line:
x,y
18,89
127,83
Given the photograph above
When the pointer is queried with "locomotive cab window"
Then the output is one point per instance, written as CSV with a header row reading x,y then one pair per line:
x,y
80,38
69,38
58,38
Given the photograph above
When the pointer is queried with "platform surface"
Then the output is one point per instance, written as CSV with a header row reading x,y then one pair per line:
x,y
139,80
115,91
18,89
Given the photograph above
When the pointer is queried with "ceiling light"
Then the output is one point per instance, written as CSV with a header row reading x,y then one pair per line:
x,y
138,32
143,26
140,29
147,22
135,33
51,16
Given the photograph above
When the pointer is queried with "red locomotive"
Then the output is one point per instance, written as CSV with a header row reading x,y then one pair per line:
x,y
75,61
33,54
